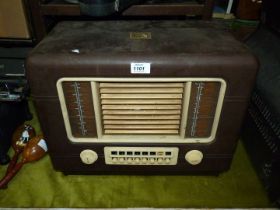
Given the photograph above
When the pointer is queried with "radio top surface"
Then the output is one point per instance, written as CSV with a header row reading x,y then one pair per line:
x,y
160,37
110,48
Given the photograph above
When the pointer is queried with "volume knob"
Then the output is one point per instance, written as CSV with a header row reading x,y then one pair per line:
x,y
194,157
88,156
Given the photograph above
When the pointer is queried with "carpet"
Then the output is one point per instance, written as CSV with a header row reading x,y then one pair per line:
x,y
38,185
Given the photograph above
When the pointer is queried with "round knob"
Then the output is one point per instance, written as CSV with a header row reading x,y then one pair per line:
x,y
121,159
129,160
115,160
160,160
194,157
88,156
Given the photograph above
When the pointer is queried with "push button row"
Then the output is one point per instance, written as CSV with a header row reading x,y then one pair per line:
x,y
146,161
141,155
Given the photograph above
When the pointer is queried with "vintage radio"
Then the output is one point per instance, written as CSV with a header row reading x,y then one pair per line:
x,y
141,97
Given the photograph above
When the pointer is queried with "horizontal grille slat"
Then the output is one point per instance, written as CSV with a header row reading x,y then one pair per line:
x,y
141,108
141,101
147,117
122,127
107,131
140,122
141,90
137,96
144,84
144,112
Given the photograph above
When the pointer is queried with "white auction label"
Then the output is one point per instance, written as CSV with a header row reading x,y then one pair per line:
x,y
140,68
42,143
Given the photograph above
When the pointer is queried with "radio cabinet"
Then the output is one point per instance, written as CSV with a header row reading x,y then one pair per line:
x,y
141,97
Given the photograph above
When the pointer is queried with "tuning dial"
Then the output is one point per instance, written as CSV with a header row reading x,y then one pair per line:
x,y
194,157
88,156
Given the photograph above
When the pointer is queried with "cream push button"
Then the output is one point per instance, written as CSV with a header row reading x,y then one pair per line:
x,y
167,160
194,157
137,160
160,160
152,160
88,156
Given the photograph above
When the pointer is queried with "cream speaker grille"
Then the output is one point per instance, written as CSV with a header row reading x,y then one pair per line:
x,y
141,110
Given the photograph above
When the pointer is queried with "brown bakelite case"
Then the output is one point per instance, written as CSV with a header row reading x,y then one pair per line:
x,y
141,97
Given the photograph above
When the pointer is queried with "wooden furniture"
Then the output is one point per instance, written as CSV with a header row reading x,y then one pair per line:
x,y
40,9
249,9
15,23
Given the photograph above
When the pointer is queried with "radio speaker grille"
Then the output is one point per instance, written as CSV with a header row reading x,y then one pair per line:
x,y
141,108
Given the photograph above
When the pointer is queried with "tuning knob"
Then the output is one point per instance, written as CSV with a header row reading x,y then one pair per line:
x,y
194,157
88,156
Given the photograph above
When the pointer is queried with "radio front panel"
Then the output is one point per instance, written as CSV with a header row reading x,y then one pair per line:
x,y
186,110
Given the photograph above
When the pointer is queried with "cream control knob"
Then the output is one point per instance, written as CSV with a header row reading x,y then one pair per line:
x,y
121,159
88,156
137,160
194,157
115,160
129,160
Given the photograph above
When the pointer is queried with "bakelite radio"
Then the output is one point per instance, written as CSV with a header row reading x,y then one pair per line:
x,y
140,97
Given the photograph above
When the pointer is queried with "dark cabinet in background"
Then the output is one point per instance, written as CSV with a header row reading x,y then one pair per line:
x,y
249,9
41,10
